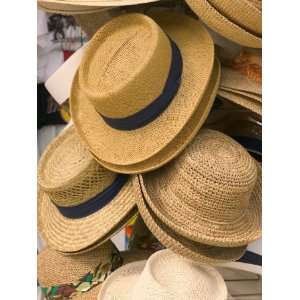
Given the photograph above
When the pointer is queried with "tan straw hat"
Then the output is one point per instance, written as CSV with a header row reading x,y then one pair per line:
x,y
211,193
123,70
80,277
79,202
227,26
164,275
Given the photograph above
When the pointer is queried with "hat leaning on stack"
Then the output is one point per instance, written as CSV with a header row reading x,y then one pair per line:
x,y
164,275
236,20
209,196
143,89
80,204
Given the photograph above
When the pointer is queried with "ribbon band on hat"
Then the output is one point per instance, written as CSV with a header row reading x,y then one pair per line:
x,y
98,202
156,107
86,282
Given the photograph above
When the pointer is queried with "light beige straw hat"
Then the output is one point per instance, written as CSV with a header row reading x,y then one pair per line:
x,y
72,7
132,66
211,193
79,202
226,26
164,275
82,276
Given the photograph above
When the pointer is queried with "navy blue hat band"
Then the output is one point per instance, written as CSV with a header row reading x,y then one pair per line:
x,y
156,107
96,203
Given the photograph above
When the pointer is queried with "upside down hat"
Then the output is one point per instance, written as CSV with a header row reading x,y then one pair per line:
x,y
80,203
210,195
164,275
237,20
143,89
81,276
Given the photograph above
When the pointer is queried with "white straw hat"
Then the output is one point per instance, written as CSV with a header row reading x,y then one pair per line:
x,y
165,276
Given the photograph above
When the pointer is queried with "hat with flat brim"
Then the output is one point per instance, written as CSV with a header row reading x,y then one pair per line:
x,y
223,25
81,276
80,203
148,147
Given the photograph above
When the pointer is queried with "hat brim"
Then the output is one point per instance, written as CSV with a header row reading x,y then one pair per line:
x,y
220,24
185,247
239,233
184,137
135,146
256,98
72,235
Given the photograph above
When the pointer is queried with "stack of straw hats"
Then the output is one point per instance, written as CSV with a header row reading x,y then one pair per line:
x,y
140,142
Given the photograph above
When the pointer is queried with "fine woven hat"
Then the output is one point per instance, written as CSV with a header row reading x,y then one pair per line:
x,y
73,7
79,202
163,59
211,193
164,275
80,277
223,25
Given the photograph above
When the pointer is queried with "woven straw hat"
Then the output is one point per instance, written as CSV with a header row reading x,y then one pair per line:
x,y
73,7
164,275
79,202
211,194
228,26
61,274
132,68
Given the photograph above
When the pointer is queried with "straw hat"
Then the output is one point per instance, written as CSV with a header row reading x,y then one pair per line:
x,y
211,194
164,275
79,202
127,135
81,276
72,7
227,25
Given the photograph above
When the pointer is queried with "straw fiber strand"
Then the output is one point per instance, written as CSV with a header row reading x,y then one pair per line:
x,y
240,12
219,23
210,194
108,144
183,138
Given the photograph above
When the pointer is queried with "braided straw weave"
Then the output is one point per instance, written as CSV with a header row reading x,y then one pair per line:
x,y
138,56
211,193
240,12
222,25
68,176
155,279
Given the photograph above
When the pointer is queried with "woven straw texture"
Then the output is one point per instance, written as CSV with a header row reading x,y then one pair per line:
x,y
185,136
155,279
253,96
242,100
185,247
197,49
211,193
240,12
219,23
54,268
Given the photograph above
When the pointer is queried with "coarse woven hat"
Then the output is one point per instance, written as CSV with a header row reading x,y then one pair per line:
x,y
164,275
79,202
210,194
82,276
72,7
223,25
169,58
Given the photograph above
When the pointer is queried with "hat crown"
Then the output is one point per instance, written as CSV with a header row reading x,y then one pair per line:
x,y
125,66
214,178
68,173
169,276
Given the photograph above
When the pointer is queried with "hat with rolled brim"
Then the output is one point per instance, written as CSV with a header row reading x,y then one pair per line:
x,y
149,146
73,7
80,204
81,276
223,25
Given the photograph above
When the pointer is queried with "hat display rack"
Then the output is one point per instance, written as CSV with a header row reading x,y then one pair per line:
x,y
164,144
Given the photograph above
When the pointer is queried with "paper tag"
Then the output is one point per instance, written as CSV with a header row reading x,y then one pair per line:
x,y
59,83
